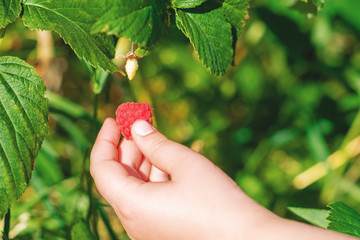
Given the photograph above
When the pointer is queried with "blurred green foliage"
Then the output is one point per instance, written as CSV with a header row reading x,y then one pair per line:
x,y
289,104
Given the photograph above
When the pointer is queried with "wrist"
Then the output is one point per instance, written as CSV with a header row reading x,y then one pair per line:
x,y
262,223
249,221
273,227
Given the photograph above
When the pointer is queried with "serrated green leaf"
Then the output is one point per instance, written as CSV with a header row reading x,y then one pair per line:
x,y
9,11
235,12
186,3
313,216
344,219
140,21
81,231
73,20
23,126
210,34
142,51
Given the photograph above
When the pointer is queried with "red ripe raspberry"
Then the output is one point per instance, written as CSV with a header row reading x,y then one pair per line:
x,y
128,113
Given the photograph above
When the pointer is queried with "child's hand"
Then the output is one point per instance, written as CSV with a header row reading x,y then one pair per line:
x,y
199,202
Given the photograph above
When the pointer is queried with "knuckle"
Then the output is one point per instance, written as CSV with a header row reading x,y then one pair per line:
x,y
158,147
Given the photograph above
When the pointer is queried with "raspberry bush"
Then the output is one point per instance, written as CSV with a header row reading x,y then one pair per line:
x,y
290,105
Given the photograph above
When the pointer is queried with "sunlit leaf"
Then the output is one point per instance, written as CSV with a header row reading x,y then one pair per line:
x,y
210,34
344,219
73,20
186,3
9,11
140,21
142,52
314,216
23,126
236,13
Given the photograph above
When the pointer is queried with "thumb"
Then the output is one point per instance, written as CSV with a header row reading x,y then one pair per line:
x,y
168,156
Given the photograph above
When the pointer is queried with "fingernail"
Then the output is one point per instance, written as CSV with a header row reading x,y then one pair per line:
x,y
142,128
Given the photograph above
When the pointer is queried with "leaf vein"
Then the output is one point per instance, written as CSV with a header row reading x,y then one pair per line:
x,y
18,100
77,27
3,153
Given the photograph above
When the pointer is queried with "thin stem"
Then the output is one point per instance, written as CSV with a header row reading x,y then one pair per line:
x,y
83,177
130,90
95,109
6,226
107,223
91,215
91,200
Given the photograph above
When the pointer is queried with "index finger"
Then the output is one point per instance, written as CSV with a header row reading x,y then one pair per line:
x,y
107,171
106,143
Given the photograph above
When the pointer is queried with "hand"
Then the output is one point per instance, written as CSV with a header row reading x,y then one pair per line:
x,y
198,202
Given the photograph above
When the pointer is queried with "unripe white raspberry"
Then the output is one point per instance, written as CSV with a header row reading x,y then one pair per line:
x,y
131,67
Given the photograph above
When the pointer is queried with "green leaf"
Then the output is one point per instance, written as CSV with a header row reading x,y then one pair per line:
x,y
141,21
73,20
9,11
186,3
23,126
316,142
283,137
81,231
210,34
313,216
142,52
344,219
62,104
98,80
346,9
75,133
235,12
